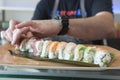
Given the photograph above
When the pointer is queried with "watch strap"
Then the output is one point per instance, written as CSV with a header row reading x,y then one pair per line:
x,y
65,24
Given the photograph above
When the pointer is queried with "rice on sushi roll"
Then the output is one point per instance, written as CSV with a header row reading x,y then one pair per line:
x,y
29,45
89,54
102,57
22,46
60,49
21,49
79,52
45,49
68,53
37,48
52,50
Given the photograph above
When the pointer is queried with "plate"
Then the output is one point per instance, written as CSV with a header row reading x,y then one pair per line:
x,y
29,63
36,68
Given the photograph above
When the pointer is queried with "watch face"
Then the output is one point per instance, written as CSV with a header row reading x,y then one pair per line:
x,y
57,17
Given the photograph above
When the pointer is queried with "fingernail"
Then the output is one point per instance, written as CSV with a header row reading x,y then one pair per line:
x,y
12,43
15,26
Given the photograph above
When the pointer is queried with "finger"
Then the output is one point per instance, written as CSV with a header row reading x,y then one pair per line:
x,y
4,36
24,24
12,24
9,34
17,34
29,35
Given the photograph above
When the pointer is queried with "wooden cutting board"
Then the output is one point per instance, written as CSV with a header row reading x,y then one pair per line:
x,y
7,58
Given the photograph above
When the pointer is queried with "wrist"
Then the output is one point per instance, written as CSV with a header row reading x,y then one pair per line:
x,y
58,25
63,22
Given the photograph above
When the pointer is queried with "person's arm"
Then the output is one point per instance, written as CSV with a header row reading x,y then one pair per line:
x,y
97,27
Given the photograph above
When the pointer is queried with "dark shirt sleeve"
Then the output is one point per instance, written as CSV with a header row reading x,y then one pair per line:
x,y
101,5
41,12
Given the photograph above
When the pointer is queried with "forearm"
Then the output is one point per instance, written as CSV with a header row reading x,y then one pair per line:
x,y
93,28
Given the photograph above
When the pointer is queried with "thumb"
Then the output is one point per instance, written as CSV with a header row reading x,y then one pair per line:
x,y
12,24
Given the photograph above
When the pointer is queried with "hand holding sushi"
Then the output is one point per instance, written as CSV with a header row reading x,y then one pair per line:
x,y
38,28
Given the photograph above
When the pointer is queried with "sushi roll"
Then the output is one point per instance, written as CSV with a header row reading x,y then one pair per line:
x,y
102,57
79,52
22,46
68,53
89,54
37,47
52,50
21,49
60,49
29,46
45,49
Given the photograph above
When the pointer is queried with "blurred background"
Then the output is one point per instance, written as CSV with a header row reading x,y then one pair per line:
x,y
23,10
17,9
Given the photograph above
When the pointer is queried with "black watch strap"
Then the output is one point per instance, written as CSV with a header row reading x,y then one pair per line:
x,y
64,21
65,24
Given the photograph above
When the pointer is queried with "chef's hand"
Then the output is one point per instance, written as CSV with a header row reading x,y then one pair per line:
x,y
39,28
8,34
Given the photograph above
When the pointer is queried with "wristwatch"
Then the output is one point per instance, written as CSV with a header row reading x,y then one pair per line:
x,y
64,21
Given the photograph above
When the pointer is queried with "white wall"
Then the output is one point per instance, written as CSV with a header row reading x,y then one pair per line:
x,y
116,8
19,3
117,17
26,15
18,14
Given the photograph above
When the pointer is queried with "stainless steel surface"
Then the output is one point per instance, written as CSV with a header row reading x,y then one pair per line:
x,y
57,72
